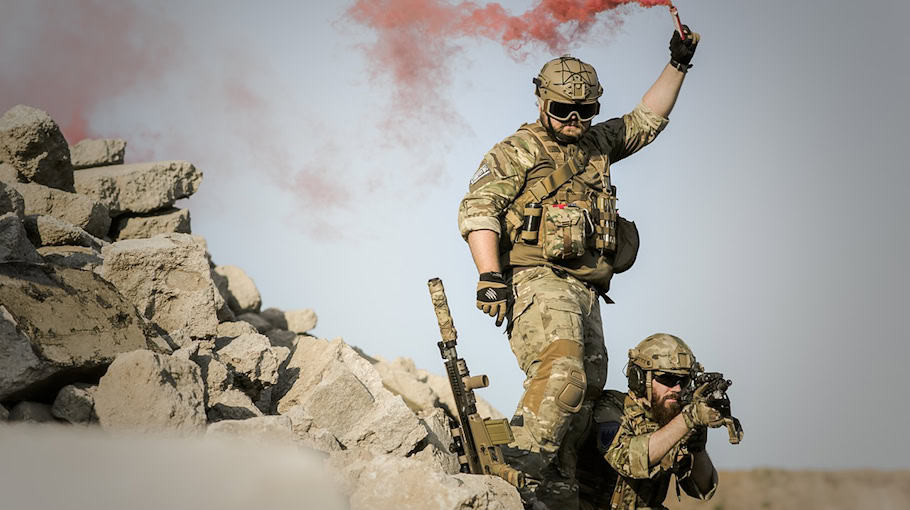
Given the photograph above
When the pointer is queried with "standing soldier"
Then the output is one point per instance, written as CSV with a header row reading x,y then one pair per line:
x,y
540,217
657,436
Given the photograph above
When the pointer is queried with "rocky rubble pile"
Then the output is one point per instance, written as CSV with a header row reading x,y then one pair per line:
x,y
114,316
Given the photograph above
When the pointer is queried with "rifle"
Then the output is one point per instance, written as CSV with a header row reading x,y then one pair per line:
x,y
713,388
476,440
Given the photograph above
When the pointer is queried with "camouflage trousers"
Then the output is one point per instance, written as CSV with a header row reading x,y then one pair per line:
x,y
556,334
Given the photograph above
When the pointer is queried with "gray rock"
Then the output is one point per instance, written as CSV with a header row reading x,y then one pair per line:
x,y
253,319
344,394
300,321
215,376
11,200
139,187
275,317
225,314
233,329
309,434
232,405
14,243
31,412
149,392
60,325
76,257
401,378
79,210
100,152
384,481
240,293
31,142
187,352
8,174
267,428
4,414
264,400
252,360
142,227
282,354
439,438
75,403
50,231
167,278
282,338
296,321
440,386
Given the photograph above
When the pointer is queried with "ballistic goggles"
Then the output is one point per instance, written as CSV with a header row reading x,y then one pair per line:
x,y
671,380
562,111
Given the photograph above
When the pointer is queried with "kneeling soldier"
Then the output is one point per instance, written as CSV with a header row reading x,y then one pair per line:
x,y
657,435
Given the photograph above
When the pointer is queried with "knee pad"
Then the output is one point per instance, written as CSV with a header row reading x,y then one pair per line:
x,y
561,361
572,394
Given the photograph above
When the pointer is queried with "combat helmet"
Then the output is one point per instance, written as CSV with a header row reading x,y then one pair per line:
x,y
660,352
568,80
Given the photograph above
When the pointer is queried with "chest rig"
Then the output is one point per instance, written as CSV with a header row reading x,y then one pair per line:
x,y
579,177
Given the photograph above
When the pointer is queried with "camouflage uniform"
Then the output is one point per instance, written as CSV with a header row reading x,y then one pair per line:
x,y
555,326
640,487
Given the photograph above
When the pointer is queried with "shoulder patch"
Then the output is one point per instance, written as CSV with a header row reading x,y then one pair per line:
x,y
481,172
605,434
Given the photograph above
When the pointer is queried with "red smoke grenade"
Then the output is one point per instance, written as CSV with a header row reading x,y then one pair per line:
x,y
675,13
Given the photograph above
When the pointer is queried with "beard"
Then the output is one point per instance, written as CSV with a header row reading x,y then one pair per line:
x,y
560,135
663,411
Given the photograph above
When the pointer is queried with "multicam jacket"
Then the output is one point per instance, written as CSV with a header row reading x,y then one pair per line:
x,y
640,486
519,161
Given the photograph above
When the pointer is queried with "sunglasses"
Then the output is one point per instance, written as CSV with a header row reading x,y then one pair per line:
x,y
562,111
671,380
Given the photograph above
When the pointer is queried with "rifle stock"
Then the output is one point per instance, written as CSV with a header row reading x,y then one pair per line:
x,y
476,439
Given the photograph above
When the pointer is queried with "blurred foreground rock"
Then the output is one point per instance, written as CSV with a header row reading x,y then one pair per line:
x,y
81,468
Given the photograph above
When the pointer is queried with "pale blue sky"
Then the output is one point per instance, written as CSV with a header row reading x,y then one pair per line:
x,y
772,209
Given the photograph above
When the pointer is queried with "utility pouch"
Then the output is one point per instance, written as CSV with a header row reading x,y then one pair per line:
x,y
627,243
563,231
530,228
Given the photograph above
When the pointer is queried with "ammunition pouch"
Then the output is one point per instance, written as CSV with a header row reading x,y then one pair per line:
x,y
605,227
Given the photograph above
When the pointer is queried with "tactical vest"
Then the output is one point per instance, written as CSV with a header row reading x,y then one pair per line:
x,y
558,181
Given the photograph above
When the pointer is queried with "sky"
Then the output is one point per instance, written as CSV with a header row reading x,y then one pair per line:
x,y
336,140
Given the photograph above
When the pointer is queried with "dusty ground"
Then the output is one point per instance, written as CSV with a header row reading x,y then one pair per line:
x,y
766,489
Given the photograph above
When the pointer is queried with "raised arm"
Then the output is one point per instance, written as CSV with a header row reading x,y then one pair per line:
x,y
662,95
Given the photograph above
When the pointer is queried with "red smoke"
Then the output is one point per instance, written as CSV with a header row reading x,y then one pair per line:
x,y
73,56
84,61
416,38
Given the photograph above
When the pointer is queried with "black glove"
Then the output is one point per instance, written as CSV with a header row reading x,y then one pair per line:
x,y
681,52
493,295
697,440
